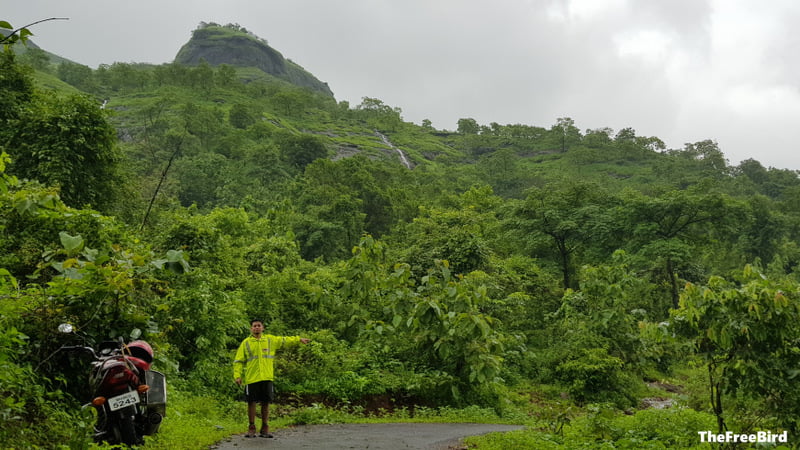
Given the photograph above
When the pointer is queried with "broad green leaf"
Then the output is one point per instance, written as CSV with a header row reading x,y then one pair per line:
x,y
72,244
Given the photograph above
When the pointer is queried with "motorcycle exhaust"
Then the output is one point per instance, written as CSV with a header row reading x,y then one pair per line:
x,y
155,418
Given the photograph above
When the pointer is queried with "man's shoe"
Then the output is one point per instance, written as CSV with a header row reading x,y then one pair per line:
x,y
251,432
265,432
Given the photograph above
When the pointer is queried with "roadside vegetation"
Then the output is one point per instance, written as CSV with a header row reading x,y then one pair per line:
x,y
593,285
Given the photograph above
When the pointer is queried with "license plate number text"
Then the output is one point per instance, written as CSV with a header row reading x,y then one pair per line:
x,y
121,401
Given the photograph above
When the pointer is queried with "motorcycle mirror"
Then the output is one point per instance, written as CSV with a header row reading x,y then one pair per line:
x,y
66,328
136,333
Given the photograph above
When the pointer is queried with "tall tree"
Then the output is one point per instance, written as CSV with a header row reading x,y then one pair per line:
x,y
67,142
567,132
225,75
77,75
300,150
468,126
379,115
455,236
562,218
205,122
241,116
746,331
671,229
17,91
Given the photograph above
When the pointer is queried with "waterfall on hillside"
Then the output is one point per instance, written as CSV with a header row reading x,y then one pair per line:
x,y
402,154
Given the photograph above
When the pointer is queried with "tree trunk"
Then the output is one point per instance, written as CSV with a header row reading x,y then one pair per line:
x,y
673,283
565,265
158,188
716,397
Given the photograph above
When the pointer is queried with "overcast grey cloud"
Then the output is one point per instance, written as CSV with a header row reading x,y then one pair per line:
x,y
680,70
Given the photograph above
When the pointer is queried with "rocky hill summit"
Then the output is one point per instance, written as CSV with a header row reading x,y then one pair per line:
x,y
235,46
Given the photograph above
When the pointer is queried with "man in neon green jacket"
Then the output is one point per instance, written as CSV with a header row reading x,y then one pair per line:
x,y
255,357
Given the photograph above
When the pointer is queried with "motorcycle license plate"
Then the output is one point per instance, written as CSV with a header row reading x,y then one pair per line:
x,y
121,401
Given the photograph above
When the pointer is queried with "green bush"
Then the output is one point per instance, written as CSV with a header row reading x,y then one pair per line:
x,y
333,369
594,375
32,413
672,428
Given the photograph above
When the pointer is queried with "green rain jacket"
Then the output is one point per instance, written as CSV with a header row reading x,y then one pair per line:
x,y
255,357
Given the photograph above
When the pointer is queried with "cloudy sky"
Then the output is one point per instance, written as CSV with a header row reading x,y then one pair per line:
x,y
681,70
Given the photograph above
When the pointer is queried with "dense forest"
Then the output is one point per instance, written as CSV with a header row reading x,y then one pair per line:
x,y
552,276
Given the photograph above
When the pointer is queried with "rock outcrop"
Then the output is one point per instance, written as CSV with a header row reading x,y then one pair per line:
x,y
235,47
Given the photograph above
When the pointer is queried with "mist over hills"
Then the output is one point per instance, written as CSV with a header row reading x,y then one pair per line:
x,y
21,49
220,44
214,45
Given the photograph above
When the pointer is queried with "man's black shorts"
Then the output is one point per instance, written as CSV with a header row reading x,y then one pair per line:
x,y
259,392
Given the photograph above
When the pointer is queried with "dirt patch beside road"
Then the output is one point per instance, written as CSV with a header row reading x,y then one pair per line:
x,y
373,436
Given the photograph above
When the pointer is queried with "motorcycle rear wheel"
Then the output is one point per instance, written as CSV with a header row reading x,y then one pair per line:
x,y
127,431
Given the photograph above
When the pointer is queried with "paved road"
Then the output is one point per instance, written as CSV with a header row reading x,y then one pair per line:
x,y
372,436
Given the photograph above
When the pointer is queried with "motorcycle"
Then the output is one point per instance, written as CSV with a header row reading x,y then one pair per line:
x,y
130,398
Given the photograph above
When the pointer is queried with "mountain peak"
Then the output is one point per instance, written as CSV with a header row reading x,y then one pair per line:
x,y
237,47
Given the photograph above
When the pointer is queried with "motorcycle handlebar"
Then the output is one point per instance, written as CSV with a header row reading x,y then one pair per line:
x,y
80,347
